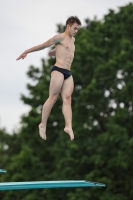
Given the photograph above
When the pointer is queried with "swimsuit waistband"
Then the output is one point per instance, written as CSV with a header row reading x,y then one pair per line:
x,y
62,68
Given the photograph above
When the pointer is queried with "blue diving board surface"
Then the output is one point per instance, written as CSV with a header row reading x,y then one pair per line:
x,y
48,184
3,171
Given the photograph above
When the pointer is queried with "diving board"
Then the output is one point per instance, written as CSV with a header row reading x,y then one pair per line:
x,y
3,171
48,184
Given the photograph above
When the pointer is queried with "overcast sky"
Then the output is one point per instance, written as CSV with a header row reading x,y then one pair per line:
x,y
26,23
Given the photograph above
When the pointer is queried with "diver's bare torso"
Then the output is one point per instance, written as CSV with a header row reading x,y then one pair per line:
x,y
65,52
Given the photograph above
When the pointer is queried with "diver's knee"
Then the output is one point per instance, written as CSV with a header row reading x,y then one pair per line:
x,y
54,98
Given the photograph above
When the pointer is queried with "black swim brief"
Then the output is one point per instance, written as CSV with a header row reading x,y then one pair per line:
x,y
65,72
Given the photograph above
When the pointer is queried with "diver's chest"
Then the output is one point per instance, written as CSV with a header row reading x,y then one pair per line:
x,y
69,46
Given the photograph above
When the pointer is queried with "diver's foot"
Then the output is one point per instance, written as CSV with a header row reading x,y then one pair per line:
x,y
42,131
70,132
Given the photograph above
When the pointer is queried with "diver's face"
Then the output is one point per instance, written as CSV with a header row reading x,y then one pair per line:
x,y
73,29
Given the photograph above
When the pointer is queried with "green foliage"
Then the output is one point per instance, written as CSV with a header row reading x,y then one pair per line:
x,y
102,119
